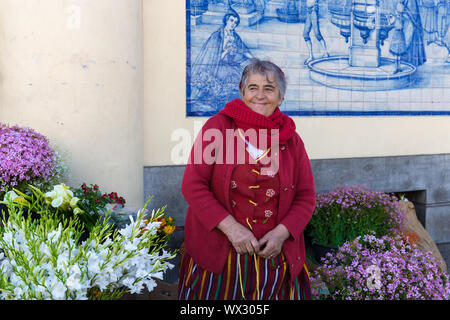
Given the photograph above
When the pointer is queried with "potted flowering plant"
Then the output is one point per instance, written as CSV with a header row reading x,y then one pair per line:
x,y
374,268
93,203
26,157
94,200
42,259
348,212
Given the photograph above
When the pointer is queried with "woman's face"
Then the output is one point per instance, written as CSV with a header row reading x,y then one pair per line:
x,y
262,94
231,23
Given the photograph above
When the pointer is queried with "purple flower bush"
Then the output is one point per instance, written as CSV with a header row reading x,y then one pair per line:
x,y
25,157
348,212
387,268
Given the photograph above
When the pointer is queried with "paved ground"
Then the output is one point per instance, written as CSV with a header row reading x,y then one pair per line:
x,y
444,248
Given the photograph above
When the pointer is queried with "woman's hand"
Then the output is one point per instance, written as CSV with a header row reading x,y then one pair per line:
x,y
272,242
240,237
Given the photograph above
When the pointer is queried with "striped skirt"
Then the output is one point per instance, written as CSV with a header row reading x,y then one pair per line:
x,y
244,277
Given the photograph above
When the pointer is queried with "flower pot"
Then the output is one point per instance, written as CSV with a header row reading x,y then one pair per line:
x,y
320,251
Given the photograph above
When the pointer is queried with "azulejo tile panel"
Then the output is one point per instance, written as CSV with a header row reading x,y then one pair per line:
x,y
341,57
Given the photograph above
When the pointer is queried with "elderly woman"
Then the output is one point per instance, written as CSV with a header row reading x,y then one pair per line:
x,y
247,210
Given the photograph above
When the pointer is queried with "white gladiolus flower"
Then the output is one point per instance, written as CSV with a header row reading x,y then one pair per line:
x,y
54,235
93,264
141,273
101,281
126,232
150,284
58,291
153,226
20,237
43,248
158,275
130,246
137,287
74,281
8,237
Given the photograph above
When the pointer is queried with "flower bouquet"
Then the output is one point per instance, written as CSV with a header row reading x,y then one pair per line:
x,y
27,158
43,259
374,268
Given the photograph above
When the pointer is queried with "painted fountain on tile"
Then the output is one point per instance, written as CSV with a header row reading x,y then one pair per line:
x,y
365,24
341,57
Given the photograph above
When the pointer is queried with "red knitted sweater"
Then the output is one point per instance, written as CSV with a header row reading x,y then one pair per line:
x,y
206,188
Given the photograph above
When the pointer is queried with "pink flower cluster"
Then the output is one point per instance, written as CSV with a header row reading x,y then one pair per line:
x,y
404,272
347,212
357,199
25,155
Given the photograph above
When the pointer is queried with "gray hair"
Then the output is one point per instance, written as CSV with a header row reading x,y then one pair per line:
x,y
263,67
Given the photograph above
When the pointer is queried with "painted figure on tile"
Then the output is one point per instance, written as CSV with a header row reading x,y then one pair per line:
x,y
413,31
398,42
312,22
443,24
428,14
219,65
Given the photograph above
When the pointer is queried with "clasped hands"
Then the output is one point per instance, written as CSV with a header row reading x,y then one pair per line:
x,y
244,241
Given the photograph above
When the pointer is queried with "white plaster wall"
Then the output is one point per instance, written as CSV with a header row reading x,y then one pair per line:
x,y
72,69
325,137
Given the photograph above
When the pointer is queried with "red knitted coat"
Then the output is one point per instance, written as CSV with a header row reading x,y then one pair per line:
x,y
206,188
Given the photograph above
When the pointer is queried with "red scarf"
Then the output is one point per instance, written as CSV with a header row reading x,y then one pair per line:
x,y
245,118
